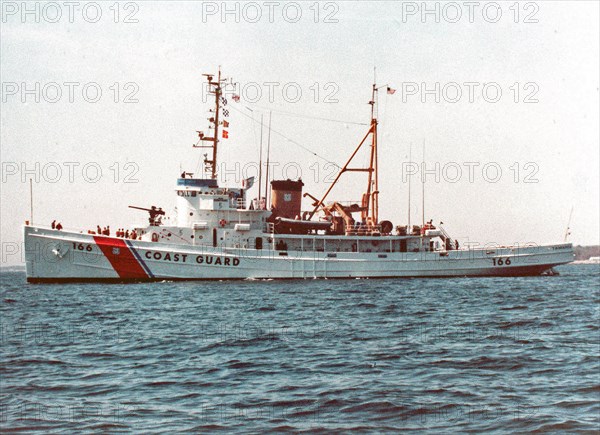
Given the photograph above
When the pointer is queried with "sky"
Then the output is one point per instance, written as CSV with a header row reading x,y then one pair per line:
x,y
100,104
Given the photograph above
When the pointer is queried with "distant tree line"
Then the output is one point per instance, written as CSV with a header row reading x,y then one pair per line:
x,y
585,252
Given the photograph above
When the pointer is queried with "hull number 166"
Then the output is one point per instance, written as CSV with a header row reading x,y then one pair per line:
x,y
501,262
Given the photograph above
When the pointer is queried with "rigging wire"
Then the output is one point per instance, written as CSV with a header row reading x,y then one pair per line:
x,y
286,138
319,118
198,166
253,127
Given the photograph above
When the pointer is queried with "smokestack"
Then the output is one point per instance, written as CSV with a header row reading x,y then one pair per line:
x,y
287,198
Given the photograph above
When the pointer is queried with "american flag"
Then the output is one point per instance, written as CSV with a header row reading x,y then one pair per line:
x,y
248,183
236,98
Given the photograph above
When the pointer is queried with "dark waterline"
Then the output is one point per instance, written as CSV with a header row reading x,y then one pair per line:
x,y
489,354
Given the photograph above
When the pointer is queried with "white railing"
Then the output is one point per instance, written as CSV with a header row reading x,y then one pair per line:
x,y
362,230
447,236
443,231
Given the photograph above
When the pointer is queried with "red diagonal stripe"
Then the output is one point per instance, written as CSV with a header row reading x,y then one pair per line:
x,y
120,257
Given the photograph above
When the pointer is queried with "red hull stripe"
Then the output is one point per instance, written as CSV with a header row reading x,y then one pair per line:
x,y
140,259
120,257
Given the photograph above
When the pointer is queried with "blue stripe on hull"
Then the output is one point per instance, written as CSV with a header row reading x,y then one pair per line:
x,y
139,258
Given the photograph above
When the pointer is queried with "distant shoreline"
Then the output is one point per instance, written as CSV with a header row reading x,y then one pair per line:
x,y
583,253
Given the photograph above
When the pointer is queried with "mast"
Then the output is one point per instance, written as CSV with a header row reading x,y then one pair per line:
x,y
268,157
370,199
374,169
31,200
216,90
567,231
260,160
423,185
372,187
409,179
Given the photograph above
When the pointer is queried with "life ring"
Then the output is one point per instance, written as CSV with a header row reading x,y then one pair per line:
x,y
154,237
222,223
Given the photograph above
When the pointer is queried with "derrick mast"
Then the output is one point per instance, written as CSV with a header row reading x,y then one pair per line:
x,y
369,207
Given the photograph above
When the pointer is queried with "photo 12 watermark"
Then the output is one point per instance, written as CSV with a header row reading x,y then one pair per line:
x,y
70,172
470,172
270,12
22,411
274,92
35,12
469,12
468,92
69,92
421,414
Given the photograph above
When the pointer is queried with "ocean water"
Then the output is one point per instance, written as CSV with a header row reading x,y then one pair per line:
x,y
438,355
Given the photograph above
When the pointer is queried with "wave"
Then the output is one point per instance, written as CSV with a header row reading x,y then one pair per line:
x,y
97,355
377,407
590,389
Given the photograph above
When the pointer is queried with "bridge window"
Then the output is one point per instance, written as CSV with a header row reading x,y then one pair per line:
x,y
186,193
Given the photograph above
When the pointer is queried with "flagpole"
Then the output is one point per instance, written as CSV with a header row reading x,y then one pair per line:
x,y
409,179
31,200
423,184
260,161
268,158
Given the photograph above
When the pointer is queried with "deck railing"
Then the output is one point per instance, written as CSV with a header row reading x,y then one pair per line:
x,y
363,230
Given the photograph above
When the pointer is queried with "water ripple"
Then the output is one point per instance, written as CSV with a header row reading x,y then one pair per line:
x,y
376,356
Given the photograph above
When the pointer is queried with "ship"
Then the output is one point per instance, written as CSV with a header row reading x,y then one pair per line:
x,y
218,233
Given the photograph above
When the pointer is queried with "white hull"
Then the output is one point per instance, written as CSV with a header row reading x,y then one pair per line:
x,y
52,255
